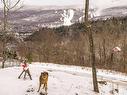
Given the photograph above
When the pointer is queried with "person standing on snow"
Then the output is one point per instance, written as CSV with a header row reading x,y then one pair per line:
x,y
24,65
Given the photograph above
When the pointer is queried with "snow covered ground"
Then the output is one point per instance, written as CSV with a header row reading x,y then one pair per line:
x,y
63,80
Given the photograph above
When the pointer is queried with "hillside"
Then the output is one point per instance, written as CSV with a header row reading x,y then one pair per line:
x,y
69,45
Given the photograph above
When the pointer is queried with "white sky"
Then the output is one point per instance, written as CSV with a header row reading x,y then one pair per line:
x,y
93,3
53,2
101,4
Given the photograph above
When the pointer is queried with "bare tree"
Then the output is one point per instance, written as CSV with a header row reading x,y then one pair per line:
x,y
7,6
91,47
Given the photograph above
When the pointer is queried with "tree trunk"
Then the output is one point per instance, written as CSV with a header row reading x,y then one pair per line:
x,y
91,46
4,32
3,63
6,9
104,51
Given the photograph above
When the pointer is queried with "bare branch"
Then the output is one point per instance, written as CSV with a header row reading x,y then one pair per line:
x,y
15,4
18,9
7,6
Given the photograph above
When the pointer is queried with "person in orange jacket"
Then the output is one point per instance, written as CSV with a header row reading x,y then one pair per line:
x,y
24,65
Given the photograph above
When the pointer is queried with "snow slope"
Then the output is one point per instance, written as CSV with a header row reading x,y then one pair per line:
x,y
108,8
63,80
102,4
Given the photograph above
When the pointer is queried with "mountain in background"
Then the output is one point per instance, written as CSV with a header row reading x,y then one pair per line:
x,y
30,18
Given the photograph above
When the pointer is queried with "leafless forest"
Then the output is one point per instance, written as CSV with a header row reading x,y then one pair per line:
x,y
69,45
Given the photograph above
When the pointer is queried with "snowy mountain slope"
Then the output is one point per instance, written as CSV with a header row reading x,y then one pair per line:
x,y
50,15
31,17
29,20
63,80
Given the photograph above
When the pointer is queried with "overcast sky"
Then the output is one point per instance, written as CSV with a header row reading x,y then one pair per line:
x,y
53,2
93,3
101,4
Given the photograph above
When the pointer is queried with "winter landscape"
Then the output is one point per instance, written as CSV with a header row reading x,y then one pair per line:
x,y
67,47
63,80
